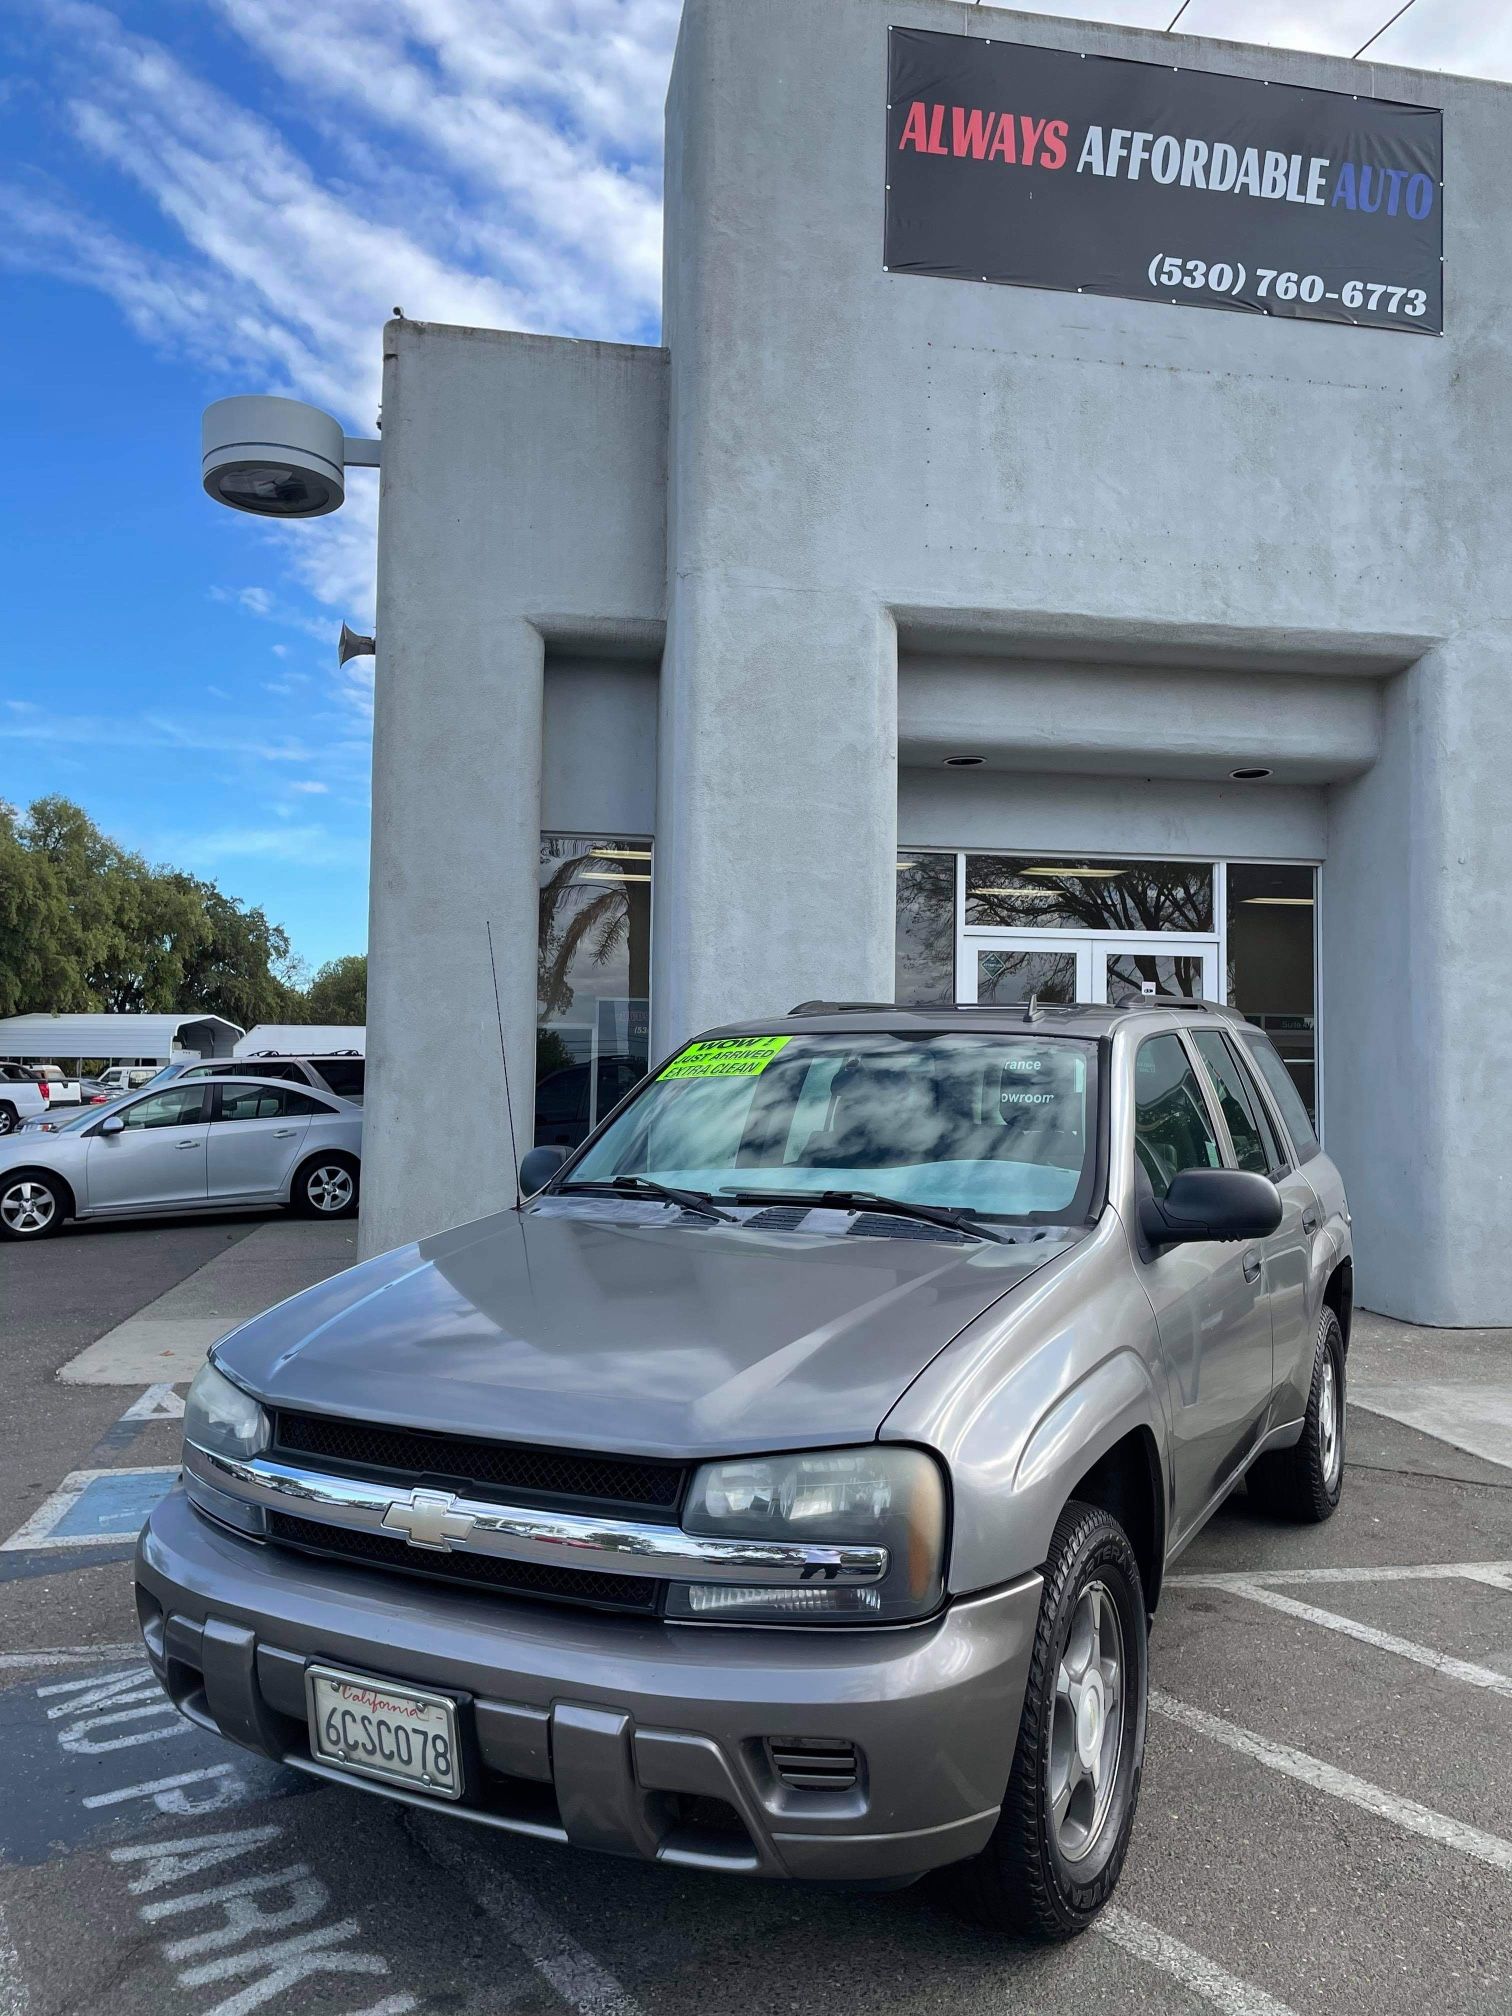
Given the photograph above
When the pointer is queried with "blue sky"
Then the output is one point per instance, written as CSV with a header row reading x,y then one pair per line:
x,y
209,196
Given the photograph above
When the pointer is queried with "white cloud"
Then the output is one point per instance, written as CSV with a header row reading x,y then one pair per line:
x,y
152,731
312,786
313,846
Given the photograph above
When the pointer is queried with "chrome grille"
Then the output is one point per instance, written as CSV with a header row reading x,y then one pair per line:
x,y
512,1578
473,1462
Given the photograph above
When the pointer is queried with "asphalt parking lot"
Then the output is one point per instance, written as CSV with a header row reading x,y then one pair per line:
x,y
1325,1825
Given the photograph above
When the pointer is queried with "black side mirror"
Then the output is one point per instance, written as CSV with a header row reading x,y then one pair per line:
x,y
538,1166
1211,1204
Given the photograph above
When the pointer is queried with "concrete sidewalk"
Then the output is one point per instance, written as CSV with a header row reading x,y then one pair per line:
x,y
1453,1384
166,1342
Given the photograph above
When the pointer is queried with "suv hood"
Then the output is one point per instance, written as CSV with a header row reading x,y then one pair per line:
x,y
640,1332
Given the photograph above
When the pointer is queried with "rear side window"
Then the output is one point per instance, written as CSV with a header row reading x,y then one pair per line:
x,y
1262,1055
302,1104
1253,1148
1172,1130
345,1075
253,1102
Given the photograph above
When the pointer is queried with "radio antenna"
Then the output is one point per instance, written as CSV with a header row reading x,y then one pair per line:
x,y
514,1153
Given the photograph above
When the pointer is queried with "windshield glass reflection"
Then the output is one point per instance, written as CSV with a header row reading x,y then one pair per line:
x,y
997,1125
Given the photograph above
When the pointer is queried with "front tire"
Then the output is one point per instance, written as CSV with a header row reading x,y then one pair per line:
x,y
326,1187
9,1119
1060,1841
33,1205
1305,1483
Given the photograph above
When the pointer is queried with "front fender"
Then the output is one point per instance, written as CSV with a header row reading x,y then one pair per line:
x,y
1030,1397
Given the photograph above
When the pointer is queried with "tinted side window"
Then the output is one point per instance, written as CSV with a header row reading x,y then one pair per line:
x,y
1288,1099
1171,1126
1251,1149
345,1075
302,1104
253,1102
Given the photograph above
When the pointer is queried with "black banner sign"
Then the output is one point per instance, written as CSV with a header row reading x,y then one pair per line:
x,y
1044,168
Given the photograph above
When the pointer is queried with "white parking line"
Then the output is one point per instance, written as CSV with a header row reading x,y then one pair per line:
x,y
1383,1641
158,1403
65,1655
584,1983
1498,1573
1312,1771
1193,1970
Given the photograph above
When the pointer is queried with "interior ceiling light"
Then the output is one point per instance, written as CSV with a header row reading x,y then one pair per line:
x,y
620,853
904,866
1251,775
617,877
964,762
1281,902
1083,868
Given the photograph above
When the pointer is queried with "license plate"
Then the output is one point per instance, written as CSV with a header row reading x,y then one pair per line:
x,y
403,1735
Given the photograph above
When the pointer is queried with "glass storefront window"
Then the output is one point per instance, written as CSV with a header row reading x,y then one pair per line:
x,y
926,928
593,980
1007,977
1037,892
1135,976
1271,963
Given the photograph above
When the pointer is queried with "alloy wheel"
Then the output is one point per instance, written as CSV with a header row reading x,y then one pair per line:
x,y
1330,1440
28,1207
329,1187
1086,1737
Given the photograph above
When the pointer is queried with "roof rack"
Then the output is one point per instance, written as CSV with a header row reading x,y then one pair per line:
x,y
1034,1008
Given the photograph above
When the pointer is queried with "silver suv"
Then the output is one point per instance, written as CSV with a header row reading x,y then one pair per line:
x,y
343,1072
787,1485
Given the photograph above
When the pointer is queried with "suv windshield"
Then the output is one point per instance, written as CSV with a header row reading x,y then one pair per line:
x,y
999,1125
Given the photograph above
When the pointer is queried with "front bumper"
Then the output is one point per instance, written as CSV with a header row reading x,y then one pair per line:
x,y
624,1734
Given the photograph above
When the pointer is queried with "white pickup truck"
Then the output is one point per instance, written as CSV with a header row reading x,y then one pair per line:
x,y
63,1091
24,1095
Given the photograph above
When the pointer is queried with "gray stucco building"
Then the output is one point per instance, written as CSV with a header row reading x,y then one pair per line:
x,y
680,647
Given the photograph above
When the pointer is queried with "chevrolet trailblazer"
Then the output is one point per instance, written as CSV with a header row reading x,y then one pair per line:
x,y
786,1486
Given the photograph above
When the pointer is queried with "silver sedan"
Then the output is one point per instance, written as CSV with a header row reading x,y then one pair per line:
x,y
203,1146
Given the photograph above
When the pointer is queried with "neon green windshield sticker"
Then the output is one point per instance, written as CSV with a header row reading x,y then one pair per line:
x,y
726,1057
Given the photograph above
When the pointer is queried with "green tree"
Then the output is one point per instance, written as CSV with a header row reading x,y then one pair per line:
x,y
86,923
34,923
338,993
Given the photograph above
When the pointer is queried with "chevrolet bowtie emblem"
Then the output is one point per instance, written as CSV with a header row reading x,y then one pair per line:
x,y
427,1519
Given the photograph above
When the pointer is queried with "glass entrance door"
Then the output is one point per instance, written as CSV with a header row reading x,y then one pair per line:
x,y
1007,967
1154,966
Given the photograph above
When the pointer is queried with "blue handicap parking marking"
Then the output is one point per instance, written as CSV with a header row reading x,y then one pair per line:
x,y
93,1508
115,1506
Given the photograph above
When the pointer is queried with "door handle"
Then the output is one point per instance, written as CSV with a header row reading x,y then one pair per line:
x,y
186,1144
1309,1221
1252,1266
284,1133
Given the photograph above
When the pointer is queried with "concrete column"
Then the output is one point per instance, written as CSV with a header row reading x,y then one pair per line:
x,y
458,699
1416,1017
776,826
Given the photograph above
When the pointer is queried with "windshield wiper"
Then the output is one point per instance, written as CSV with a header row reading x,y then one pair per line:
x,y
647,1186
872,1200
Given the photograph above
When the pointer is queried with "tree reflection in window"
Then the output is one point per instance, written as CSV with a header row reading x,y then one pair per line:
x,y
592,979
926,928
1040,893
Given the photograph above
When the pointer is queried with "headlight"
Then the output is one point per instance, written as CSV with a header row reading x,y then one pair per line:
x,y
884,1495
221,1418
